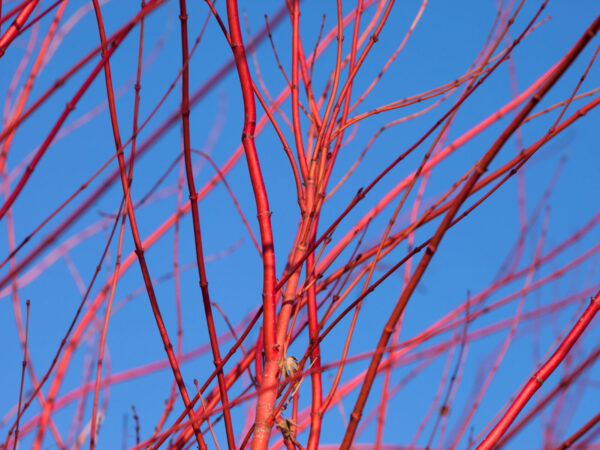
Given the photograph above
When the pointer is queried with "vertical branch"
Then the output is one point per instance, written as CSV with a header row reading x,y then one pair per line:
x,y
269,382
327,121
307,217
295,92
315,356
121,232
185,120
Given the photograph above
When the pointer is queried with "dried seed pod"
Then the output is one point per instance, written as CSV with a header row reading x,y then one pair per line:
x,y
286,426
289,366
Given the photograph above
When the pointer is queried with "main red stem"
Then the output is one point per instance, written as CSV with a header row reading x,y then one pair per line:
x,y
268,388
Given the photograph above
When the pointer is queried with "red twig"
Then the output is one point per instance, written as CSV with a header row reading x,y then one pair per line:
x,y
185,113
10,34
541,375
580,432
